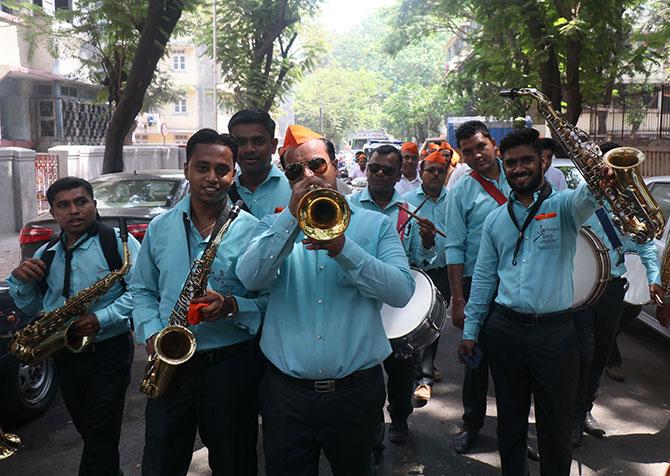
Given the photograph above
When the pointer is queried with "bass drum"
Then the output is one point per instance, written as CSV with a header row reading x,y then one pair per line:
x,y
591,269
419,323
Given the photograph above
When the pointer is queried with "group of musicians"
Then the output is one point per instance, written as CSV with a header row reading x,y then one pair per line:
x,y
291,326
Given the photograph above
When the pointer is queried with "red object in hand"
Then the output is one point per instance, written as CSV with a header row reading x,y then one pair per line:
x,y
194,314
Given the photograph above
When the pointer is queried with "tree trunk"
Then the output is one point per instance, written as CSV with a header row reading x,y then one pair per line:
x,y
572,86
607,101
162,16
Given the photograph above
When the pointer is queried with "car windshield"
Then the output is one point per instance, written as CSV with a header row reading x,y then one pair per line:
x,y
572,175
135,192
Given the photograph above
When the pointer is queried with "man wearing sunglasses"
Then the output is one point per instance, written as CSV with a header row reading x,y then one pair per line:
x,y
261,185
323,335
431,202
418,239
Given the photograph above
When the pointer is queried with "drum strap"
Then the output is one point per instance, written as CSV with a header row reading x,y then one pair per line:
x,y
544,193
489,188
403,218
612,236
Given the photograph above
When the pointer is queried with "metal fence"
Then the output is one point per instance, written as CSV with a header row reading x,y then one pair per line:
x,y
46,173
637,112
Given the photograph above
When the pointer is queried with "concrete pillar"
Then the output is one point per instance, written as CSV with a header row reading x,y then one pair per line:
x,y
18,189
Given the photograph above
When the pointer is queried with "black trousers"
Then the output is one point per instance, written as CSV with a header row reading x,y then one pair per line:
x,y
475,382
541,360
94,385
596,330
628,314
298,423
219,400
424,370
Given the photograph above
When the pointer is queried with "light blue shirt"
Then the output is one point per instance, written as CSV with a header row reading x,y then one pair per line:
x,y
435,211
646,251
541,281
165,261
273,193
88,265
414,250
323,317
468,205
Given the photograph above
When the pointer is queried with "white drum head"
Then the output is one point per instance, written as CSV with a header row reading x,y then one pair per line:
x,y
400,321
638,285
585,272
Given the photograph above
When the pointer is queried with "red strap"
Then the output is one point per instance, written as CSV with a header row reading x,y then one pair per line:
x,y
490,188
403,218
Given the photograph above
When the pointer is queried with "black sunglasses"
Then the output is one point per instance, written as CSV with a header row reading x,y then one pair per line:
x,y
435,170
386,169
296,170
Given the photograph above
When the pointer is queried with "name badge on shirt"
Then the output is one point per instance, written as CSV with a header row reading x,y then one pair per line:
x,y
547,237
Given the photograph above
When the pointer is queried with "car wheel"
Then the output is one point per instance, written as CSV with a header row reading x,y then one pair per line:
x,y
29,390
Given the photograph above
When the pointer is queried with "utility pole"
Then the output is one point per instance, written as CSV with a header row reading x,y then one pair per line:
x,y
216,76
320,119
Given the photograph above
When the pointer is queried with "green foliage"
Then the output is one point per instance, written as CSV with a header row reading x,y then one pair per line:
x,y
261,46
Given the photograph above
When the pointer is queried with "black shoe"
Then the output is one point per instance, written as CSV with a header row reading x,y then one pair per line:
x,y
577,435
464,441
398,433
592,427
377,456
533,455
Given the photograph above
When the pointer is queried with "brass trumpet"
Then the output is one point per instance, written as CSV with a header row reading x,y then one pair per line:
x,y
323,214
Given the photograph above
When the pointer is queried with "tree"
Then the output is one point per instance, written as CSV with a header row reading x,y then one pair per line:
x,y
259,48
341,100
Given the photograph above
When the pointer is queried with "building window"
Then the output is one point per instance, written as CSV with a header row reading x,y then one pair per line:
x,y
180,106
63,5
179,60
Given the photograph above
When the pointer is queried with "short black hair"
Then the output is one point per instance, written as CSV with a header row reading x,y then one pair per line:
x,y
388,149
330,148
67,183
253,116
359,152
605,147
210,136
549,144
517,137
469,129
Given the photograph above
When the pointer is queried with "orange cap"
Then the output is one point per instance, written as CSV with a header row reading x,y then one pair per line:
x,y
297,135
410,147
455,158
436,157
432,146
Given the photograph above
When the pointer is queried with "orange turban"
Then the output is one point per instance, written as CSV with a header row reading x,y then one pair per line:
x,y
432,146
297,135
436,157
455,158
410,147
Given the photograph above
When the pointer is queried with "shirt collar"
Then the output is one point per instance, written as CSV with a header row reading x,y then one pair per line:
x,y
366,197
274,174
84,241
421,192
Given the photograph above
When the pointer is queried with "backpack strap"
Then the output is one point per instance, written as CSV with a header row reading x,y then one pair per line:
x,y
490,188
47,257
234,195
110,248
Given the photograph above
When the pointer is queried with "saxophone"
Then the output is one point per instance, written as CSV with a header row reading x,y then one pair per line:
x,y
175,344
9,444
52,330
636,213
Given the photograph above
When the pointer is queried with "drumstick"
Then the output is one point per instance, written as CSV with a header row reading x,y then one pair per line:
x,y
414,215
415,211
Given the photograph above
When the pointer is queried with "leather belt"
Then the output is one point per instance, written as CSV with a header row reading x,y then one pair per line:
x,y
221,354
532,320
326,385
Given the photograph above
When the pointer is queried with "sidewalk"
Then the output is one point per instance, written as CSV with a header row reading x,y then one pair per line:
x,y
9,254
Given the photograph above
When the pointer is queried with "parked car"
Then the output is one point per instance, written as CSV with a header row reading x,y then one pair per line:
x,y
27,390
136,196
660,190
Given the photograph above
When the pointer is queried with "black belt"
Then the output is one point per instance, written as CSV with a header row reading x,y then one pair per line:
x,y
532,320
221,354
107,343
327,385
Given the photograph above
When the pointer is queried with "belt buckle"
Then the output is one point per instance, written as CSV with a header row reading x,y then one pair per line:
x,y
324,386
530,321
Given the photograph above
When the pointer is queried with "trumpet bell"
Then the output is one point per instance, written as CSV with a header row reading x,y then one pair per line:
x,y
323,214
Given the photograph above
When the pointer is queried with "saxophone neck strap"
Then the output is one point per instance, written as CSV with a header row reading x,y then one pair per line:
x,y
544,193
611,233
223,216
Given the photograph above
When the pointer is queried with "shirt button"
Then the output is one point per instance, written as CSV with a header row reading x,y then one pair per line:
x,y
321,267
320,301
318,337
320,371
272,257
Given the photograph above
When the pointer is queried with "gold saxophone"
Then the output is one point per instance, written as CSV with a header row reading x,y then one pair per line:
x,y
52,330
636,213
175,344
9,444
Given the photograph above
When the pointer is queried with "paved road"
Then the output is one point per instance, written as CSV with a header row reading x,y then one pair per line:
x,y
636,415
9,254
